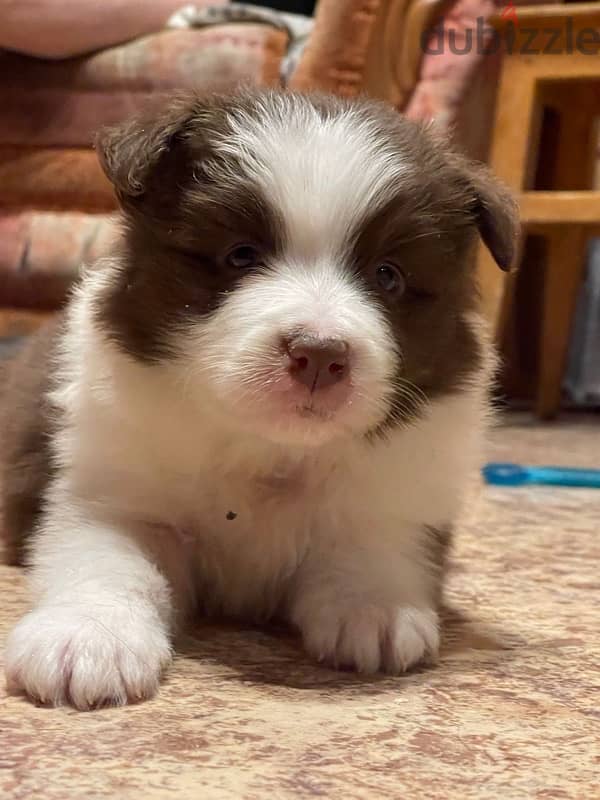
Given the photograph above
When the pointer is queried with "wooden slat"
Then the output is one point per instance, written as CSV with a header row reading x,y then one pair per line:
x,y
551,208
563,67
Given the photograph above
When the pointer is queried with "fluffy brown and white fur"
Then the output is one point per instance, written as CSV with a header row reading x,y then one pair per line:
x,y
265,402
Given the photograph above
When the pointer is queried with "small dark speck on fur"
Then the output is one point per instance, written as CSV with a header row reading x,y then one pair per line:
x,y
231,515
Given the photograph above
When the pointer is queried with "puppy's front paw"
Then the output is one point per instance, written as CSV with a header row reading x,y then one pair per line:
x,y
370,638
61,655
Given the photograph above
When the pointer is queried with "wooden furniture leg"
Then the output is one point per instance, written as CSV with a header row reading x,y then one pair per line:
x,y
565,264
573,168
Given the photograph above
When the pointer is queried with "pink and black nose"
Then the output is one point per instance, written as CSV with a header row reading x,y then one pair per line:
x,y
317,363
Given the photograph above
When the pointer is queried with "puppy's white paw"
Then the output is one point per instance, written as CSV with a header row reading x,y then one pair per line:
x,y
371,639
60,655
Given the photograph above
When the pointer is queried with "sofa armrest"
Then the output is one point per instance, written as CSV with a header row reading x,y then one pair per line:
x,y
63,29
366,46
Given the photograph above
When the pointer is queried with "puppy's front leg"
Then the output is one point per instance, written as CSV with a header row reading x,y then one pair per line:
x,y
368,603
99,633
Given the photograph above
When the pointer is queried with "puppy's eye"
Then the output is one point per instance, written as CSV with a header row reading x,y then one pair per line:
x,y
243,256
390,279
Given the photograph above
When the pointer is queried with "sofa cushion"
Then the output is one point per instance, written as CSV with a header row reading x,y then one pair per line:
x,y
63,103
41,254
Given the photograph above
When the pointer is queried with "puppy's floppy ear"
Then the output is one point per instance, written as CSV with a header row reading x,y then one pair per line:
x,y
130,152
497,216
493,208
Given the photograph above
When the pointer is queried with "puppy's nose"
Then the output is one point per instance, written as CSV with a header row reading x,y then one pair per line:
x,y
317,363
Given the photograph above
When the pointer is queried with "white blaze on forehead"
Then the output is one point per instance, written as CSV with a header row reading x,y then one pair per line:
x,y
322,174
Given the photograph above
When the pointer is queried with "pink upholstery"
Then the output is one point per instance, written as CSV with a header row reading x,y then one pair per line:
x,y
62,103
41,253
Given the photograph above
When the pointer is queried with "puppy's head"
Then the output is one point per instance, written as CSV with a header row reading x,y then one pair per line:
x,y
304,262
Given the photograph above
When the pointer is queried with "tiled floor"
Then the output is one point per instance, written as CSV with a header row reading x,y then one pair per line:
x,y
510,712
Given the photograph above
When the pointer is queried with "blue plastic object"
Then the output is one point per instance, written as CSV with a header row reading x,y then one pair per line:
x,y
500,474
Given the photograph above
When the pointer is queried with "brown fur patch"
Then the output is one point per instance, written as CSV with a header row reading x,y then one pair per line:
x,y
183,213
432,251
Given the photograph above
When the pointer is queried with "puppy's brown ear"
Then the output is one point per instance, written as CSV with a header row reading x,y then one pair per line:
x,y
494,210
497,216
130,152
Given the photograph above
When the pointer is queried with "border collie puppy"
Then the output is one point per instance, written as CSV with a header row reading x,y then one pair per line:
x,y
265,403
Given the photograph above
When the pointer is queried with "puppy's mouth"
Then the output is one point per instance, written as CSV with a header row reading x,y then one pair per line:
x,y
278,407
310,404
282,401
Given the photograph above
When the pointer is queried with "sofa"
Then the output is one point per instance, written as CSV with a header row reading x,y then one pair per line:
x,y
56,205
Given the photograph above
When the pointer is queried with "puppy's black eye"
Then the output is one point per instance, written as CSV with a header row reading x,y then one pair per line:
x,y
244,256
390,279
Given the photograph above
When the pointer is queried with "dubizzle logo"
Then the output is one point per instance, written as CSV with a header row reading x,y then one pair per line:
x,y
561,36
509,13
